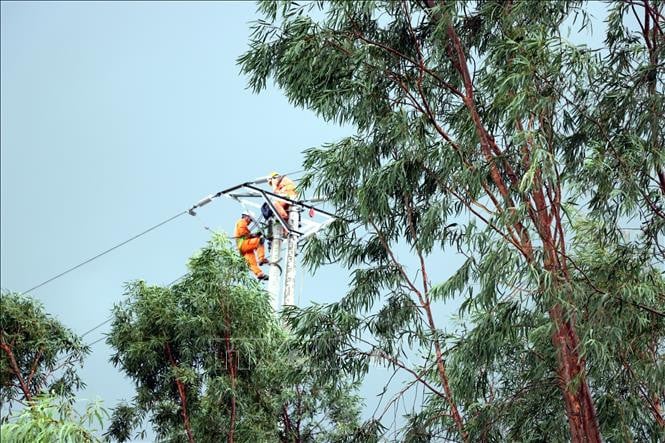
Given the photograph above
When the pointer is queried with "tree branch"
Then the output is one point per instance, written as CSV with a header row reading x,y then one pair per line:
x,y
15,369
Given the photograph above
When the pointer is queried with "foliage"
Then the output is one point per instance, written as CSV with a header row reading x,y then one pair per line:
x,y
37,353
209,361
48,419
482,130
310,406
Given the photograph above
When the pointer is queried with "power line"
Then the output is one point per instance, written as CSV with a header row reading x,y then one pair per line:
x,y
110,318
190,211
96,327
96,341
105,252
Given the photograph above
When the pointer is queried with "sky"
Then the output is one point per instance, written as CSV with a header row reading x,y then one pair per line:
x,y
116,116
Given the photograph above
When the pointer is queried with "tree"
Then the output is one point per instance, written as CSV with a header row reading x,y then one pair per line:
x,y
193,349
481,129
50,418
209,361
37,353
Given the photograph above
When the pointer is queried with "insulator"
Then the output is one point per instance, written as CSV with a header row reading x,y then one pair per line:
x,y
203,201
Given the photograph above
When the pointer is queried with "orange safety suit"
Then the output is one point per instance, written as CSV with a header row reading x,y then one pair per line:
x,y
285,187
248,245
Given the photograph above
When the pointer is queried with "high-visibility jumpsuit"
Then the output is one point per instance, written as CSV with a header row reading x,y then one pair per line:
x,y
285,187
248,246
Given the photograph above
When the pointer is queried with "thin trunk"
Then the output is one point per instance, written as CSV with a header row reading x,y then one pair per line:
x,y
658,411
440,364
424,302
183,399
17,372
182,393
33,370
287,423
571,375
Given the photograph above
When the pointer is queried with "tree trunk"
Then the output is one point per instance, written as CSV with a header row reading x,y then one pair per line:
x,y
15,369
580,409
182,393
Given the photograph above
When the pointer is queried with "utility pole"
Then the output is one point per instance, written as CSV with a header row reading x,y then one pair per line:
x,y
275,273
289,231
291,246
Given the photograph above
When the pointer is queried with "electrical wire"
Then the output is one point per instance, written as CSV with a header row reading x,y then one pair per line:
x,y
110,318
96,341
105,252
96,327
73,268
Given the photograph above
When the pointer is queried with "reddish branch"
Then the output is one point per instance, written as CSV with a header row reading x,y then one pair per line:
x,y
424,301
33,369
580,409
287,423
182,393
15,369
487,144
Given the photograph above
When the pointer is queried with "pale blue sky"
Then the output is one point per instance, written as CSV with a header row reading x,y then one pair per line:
x,y
116,116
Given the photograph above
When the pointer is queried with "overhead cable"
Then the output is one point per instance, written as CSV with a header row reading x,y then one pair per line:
x,y
204,201
105,252
109,319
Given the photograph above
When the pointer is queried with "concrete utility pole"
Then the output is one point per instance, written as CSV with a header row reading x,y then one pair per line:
x,y
275,273
291,246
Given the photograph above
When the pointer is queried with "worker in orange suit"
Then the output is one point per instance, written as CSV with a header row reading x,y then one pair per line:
x,y
283,186
249,244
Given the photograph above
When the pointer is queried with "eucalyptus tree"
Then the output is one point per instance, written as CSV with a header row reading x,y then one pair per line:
x,y
38,354
481,129
196,351
211,362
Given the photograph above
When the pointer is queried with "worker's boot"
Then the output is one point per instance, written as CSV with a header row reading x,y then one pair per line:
x,y
262,277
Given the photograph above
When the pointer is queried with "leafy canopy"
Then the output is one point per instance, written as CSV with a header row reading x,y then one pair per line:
x,y
482,130
38,354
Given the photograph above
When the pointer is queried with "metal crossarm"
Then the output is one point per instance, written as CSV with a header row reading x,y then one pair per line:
x,y
298,230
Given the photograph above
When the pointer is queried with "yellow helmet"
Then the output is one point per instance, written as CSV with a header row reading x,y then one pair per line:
x,y
273,174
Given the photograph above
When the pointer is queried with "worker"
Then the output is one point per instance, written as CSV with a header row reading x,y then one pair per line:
x,y
249,244
282,186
